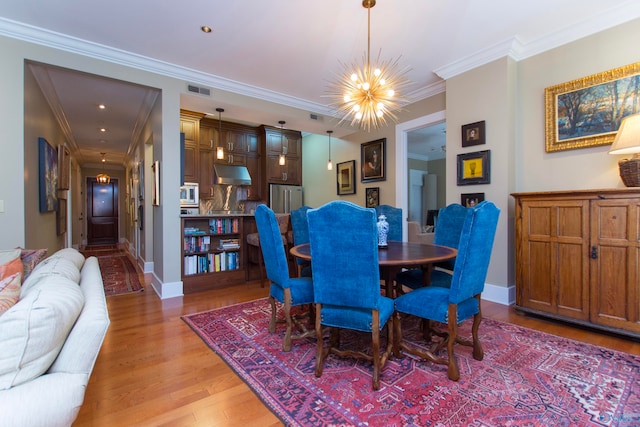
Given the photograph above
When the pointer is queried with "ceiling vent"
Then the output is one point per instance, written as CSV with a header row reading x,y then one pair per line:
x,y
200,90
316,117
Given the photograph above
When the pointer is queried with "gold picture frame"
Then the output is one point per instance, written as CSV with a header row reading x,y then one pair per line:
x,y
587,112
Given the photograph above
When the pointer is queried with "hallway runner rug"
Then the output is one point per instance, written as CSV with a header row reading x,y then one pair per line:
x,y
119,275
527,378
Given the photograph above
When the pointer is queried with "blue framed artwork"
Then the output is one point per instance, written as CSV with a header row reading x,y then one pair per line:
x,y
48,169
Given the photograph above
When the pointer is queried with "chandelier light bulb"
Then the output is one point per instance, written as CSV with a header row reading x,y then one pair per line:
x,y
220,153
365,93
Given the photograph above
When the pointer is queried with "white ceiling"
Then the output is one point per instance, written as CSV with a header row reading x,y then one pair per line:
x,y
285,51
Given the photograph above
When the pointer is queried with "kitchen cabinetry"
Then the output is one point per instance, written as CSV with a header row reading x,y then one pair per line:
x,y
578,257
206,157
212,252
276,142
190,126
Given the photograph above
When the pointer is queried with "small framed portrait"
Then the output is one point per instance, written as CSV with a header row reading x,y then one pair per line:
x,y
346,178
473,134
372,160
474,168
469,200
372,197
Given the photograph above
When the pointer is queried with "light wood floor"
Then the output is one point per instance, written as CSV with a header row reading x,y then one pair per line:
x,y
154,371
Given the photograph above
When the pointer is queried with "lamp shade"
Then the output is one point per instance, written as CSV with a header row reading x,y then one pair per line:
x,y
627,139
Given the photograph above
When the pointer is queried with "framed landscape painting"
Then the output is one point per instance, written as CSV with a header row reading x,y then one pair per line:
x,y
587,112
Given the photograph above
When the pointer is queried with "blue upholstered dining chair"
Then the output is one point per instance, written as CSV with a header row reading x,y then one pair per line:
x,y
300,228
447,233
461,300
288,291
394,218
344,259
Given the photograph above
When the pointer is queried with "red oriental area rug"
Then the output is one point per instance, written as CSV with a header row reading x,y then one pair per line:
x,y
527,378
119,275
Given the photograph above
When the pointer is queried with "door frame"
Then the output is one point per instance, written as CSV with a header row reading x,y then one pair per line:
x,y
402,164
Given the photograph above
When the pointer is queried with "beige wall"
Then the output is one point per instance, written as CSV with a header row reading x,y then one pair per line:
x,y
40,230
573,169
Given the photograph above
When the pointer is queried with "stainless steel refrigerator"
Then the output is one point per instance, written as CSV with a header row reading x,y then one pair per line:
x,y
285,198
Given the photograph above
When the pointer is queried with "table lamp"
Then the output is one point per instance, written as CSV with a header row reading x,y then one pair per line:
x,y
628,142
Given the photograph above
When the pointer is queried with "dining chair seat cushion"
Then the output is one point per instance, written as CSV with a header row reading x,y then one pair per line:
x,y
356,318
413,278
433,303
301,291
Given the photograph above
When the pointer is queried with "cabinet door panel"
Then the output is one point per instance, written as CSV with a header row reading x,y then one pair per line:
x,y
615,291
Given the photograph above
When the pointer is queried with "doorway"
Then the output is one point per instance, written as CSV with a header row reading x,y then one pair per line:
x,y
102,212
402,155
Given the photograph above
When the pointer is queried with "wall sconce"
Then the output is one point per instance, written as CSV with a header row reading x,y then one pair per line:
x,y
627,141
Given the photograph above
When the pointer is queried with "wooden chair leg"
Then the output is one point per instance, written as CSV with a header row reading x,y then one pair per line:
x,y
286,342
375,349
452,371
478,352
320,351
272,321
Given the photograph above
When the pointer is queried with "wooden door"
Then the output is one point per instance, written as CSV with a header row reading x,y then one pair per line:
x,y
102,212
615,253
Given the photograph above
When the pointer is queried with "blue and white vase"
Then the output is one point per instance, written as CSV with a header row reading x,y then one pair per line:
x,y
383,231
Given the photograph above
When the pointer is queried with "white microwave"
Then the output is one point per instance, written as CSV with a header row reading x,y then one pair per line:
x,y
190,195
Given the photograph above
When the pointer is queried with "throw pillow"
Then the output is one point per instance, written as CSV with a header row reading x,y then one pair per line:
x,y
30,258
9,292
10,263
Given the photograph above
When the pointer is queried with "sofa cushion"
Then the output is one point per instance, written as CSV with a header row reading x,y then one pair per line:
x,y
30,258
52,266
10,263
9,292
72,255
33,331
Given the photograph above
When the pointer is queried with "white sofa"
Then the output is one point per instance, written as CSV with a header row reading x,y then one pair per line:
x,y
49,341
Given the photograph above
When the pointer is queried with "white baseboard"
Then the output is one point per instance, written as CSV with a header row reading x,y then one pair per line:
x,y
499,294
168,289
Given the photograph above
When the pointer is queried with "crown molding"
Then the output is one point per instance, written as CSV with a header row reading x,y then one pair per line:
x,y
52,39
519,50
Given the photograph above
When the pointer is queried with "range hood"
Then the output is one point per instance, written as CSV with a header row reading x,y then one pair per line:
x,y
231,175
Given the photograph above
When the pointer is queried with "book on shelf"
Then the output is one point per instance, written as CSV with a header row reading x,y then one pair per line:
x,y
229,244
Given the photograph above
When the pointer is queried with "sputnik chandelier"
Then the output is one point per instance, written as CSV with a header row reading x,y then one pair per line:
x,y
368,95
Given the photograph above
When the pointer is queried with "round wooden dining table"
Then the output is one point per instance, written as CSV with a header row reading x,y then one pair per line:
x,y
396,256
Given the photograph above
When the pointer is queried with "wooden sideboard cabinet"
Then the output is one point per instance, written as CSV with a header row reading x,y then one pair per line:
x,y
578,257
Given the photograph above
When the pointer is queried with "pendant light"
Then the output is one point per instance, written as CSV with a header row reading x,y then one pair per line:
x,y
103,178
219,150
329,164
282,160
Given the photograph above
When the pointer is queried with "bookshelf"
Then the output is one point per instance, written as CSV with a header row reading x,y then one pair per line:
x,y
212,253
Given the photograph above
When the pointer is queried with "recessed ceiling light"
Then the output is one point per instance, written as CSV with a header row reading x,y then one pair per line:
x,y
103,130
101,106
205,29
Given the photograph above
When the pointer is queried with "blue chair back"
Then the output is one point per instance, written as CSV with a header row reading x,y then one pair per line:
x,y
474,252
275,259
300,225
448,229
394,218
344,253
